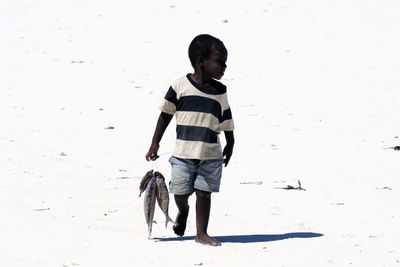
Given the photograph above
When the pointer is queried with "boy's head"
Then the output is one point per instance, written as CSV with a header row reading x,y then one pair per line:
x,y
201,47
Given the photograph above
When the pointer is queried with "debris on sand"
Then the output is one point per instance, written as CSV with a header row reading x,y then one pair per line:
x,y
291,187
338,204
256,182
397,148
384,188
43,209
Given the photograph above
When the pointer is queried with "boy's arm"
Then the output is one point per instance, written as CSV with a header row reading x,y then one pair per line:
x,y
163,120
228,150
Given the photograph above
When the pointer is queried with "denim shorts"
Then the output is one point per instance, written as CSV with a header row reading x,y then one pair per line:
x,y
188,175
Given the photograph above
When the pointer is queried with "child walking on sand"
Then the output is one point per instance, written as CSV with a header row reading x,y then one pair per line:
x,y
200,105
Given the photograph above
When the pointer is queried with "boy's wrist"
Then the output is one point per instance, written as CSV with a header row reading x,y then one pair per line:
x,y
154,145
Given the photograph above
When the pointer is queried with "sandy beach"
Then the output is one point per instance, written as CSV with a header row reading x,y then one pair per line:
x,y
314,89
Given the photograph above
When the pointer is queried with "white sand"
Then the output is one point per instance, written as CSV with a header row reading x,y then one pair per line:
x,y
314,87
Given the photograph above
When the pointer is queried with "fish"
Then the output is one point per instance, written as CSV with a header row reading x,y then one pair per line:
x,y
145,180
150,203
162,196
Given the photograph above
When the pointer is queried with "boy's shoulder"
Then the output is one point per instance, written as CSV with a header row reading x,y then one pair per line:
x,y
181,81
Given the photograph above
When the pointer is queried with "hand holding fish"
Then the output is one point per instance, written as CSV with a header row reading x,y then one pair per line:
x,y
227,153
163,120
152,153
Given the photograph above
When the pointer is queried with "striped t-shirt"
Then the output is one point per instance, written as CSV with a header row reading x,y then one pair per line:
x,y
200,117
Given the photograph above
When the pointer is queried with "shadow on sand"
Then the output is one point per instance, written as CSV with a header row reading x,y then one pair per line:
x,y
248,238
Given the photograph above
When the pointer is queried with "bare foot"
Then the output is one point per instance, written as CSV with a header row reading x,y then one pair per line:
x,y
207,240
180,223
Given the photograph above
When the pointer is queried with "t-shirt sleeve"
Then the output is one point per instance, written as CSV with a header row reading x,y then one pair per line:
x,y
169,102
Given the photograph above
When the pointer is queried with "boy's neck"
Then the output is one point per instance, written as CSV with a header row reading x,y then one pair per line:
x,y
200,78
204,81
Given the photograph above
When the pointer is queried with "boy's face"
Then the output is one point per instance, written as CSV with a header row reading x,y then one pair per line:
x,y
214,66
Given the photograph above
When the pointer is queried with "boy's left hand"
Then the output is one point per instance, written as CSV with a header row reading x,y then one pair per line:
x,y
227,154
152,154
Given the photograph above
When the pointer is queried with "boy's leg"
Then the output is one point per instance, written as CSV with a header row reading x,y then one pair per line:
x,y
203,207
183,212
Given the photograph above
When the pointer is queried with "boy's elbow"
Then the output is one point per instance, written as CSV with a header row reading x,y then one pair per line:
x,y
230,138
166,117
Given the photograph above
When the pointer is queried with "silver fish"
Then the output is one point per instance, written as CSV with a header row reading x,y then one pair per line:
x,y
145,181
150,203
162,196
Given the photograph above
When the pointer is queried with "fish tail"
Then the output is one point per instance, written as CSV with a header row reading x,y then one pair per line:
x,y
149,229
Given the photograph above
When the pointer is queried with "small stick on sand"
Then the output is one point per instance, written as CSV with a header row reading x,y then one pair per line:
x,y
290,187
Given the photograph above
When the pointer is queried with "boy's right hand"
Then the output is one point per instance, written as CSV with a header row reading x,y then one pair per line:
x,y
152,154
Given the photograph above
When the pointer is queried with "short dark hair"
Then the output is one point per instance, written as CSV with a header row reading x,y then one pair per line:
x,y
201,46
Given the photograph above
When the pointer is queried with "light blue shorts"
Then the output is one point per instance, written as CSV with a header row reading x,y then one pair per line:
x,y
188,175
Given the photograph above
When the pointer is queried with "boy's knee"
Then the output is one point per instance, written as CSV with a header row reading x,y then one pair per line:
x,y
204,194
182,197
